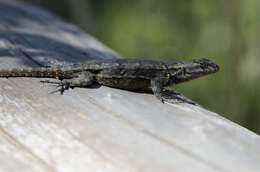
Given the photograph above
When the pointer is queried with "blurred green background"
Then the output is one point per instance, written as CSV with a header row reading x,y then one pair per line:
x,y
225,31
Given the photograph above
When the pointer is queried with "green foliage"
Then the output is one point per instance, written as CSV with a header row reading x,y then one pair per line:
x,y
225,31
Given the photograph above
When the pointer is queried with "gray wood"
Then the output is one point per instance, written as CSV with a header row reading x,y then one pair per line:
x,y
102,129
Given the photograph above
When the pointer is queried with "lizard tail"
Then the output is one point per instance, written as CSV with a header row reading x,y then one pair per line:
x,y
31,72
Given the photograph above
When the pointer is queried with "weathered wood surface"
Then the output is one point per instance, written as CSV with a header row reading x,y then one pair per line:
x,y
102,129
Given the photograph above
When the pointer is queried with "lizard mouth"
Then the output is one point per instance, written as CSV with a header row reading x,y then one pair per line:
x,y
209,66
202,67
195,69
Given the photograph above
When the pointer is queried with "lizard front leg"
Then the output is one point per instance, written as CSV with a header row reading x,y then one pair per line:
x,y
157,85
171,96
167,94
81,79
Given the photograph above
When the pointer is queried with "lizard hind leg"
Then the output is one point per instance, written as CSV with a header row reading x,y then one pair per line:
x,y
82,79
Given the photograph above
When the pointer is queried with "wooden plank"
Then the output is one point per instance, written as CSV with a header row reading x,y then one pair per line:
x,y
100,129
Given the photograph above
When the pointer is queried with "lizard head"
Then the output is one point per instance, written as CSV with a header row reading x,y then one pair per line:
x,y
189,70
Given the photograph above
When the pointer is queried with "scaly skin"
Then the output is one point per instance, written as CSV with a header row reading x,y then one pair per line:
x,y
129,74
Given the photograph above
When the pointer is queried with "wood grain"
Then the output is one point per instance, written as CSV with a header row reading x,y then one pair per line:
x,y
100,129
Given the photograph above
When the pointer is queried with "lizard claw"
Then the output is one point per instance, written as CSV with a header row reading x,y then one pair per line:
x,y
60,84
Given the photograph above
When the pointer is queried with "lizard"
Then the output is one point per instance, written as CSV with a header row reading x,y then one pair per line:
x,y
127,74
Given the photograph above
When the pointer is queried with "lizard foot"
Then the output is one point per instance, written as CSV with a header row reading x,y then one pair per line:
x,y
173,97
62,85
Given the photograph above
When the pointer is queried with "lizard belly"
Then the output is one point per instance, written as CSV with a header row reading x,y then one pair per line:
x,y
124,83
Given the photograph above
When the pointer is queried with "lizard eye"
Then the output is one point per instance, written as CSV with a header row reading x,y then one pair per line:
x,y
204,65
